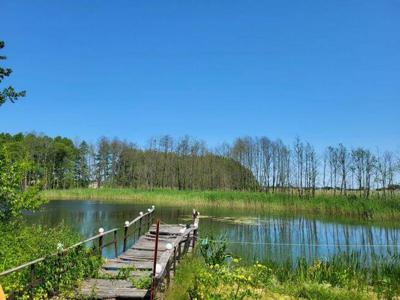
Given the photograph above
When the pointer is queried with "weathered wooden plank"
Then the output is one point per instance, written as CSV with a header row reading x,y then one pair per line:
x,y
167,229
115,273
134,253
106,289
149,245
119,264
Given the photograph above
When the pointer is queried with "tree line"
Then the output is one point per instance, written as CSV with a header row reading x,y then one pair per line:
x,y
299,168
248,163
59,163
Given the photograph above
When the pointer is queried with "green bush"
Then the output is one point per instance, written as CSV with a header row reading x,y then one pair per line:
x,y
14,195
213,251
57,274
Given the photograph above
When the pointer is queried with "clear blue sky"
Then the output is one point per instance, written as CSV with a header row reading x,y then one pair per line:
x,y
327,71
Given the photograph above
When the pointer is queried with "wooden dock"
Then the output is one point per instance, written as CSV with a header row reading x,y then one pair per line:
x,y
141,271
137,263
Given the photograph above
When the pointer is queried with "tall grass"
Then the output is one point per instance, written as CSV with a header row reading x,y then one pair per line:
x,y
373,208
343,276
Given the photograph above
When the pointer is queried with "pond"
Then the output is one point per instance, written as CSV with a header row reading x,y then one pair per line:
x,y
252,235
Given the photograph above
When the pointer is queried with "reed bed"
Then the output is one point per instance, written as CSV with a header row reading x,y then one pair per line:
x,y
374,208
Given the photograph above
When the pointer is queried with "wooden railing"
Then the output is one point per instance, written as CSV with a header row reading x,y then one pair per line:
x,y
144,219
139,224
170,257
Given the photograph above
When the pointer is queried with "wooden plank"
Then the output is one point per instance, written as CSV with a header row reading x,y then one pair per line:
x,y
114,273
119,264
167,229
134,253
108,289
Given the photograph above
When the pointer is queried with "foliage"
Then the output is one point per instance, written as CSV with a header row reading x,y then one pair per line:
x,y
8,93
344,276
58,163
143,282
127,273
251,164
20,244
14,197
213,251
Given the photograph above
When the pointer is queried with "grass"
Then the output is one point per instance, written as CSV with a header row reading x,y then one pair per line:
x,y
344,276
375,208
58,274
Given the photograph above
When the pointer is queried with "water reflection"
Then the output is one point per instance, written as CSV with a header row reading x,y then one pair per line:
x,y
252,235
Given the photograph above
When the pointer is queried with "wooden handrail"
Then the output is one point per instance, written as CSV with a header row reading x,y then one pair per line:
x,y
169,257
141,216
97,236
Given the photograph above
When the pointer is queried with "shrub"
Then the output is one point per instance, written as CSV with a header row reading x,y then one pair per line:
x,y
14,198
57,274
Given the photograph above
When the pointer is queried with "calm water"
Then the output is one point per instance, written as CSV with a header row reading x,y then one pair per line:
x,y
252,235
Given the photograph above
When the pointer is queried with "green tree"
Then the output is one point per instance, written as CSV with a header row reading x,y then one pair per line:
x,y
8,93
82,171
14,196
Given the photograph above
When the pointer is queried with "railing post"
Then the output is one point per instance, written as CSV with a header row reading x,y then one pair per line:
x,y
193,216
168,275
115,243
194,238
152,214
148,218
179,251
32,280
101,230
195,224
187,244
153,286
174,261
126,235
140,224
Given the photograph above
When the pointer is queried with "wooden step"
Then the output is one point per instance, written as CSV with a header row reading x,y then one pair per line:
x,y
114,273
115,264
110,289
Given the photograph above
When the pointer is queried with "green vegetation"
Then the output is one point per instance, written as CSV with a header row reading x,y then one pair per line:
x,y
59,163
8,93
19,244
250,164
344,276
13,198
128,273
57,274
374,208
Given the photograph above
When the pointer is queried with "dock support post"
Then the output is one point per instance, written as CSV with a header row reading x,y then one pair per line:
x,y
153,286
149,218
140,228
174,261
101,230
115,244
126,235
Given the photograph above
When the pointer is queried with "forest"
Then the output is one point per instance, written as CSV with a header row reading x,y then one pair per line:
x,y
249,163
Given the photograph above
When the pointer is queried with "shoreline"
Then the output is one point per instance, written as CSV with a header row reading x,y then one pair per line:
x,y
371,210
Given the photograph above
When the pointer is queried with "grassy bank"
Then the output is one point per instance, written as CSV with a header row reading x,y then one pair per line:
x,y
374,208
341,277
58,274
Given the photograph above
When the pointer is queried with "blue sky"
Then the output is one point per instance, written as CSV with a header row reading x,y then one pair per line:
x,y
327,71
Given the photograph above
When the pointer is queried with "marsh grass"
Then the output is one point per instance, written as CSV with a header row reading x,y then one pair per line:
x,y
374,208
343,276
